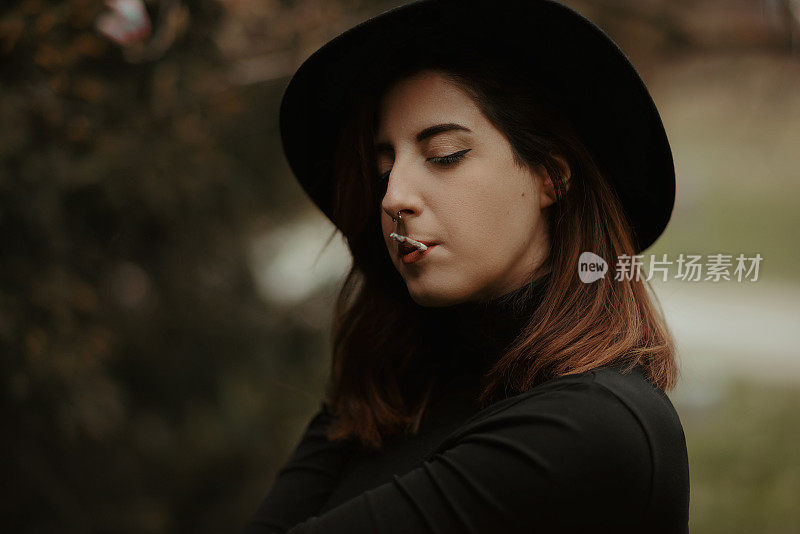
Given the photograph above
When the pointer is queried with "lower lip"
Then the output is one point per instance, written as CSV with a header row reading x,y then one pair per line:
x,y
417,255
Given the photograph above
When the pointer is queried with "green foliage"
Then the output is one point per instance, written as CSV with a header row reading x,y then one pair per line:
x,y
744,461
141,375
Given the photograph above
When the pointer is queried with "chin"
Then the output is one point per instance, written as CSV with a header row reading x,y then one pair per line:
x,y
433,297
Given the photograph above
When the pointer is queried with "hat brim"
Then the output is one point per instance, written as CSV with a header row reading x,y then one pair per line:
x,y
587,75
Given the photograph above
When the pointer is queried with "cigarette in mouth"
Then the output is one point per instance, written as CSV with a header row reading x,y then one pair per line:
x,y
413,242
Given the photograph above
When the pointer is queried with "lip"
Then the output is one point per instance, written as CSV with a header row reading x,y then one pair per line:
x,y
417,255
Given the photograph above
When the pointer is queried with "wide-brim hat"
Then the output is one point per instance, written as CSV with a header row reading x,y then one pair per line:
x,y
577,66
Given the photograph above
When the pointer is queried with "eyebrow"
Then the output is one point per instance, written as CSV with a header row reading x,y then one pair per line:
x,y
430,131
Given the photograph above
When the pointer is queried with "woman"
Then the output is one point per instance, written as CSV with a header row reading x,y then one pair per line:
x,y
477,383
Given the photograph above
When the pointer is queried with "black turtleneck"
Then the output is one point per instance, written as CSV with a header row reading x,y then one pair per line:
x,y
468,338
598,451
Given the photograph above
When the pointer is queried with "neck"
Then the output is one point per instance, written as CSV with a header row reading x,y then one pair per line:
x,y
468,338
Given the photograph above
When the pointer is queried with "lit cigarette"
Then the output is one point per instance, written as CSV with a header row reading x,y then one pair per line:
x,y
413,242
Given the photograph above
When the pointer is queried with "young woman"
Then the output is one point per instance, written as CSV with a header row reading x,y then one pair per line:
x,y
470,153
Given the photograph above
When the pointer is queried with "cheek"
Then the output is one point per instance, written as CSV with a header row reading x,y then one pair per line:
x,y
493,217
477,223
496,199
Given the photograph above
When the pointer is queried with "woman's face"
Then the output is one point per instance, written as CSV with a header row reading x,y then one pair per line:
x,y
459,187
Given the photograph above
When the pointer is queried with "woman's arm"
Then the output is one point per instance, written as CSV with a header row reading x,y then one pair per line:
x,y
572,456
304,483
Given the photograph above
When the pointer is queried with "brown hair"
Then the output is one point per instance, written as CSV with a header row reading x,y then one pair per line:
x,y
379,381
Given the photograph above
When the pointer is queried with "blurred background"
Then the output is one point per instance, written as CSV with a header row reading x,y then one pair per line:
x,y
166,291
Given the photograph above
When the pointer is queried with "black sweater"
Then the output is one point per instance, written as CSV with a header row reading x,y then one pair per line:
x,y
599,451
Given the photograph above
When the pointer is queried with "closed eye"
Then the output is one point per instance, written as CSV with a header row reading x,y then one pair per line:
x,y
441,160
450,158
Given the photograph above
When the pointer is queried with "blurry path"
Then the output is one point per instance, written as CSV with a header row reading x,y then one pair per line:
x,y
732,329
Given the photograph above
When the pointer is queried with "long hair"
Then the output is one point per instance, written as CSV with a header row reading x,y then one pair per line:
x,y
380,378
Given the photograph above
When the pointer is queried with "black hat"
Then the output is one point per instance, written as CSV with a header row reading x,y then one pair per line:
x,y
577,66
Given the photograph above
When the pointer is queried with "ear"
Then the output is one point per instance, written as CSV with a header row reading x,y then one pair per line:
x,y
548,191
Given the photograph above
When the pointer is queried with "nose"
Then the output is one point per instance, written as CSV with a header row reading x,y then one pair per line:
x,y
400,202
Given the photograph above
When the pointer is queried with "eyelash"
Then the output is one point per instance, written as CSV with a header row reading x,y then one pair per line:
x,y
443,160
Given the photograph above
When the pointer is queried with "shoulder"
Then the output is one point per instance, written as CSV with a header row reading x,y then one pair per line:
x,y
600,400
603,437
602,389
599,414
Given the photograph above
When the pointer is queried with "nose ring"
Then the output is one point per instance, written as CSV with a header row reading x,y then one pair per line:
x,y
399,216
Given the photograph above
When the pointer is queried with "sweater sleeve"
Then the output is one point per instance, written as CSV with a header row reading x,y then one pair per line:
x,y
563,457
304,482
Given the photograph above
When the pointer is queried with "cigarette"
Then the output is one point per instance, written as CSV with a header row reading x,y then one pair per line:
x,y
413,242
